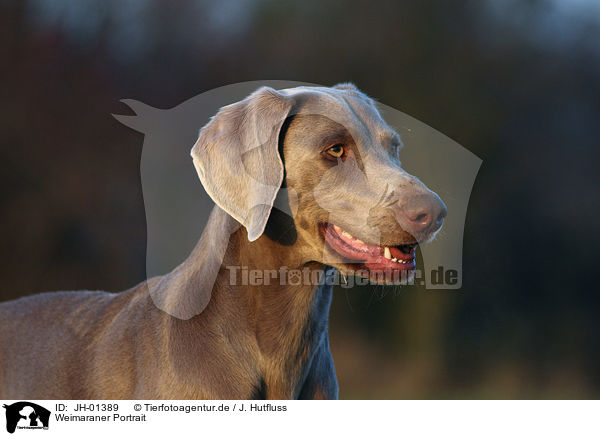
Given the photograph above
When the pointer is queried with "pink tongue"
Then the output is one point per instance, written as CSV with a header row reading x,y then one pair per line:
x,y
398,254
368,252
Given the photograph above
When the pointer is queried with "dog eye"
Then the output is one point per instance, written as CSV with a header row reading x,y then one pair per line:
x,y
336,151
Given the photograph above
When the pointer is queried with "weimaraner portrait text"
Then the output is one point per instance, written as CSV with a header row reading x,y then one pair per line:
x,y
330,159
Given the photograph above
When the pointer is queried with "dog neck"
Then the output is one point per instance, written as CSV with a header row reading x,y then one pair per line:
x,y
270,309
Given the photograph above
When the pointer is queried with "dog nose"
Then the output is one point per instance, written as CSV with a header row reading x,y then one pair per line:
x,y
425,212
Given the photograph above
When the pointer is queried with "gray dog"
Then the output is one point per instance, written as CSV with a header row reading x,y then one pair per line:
x,y
352,207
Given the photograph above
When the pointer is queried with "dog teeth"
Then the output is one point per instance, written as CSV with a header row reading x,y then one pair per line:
x,y
357,243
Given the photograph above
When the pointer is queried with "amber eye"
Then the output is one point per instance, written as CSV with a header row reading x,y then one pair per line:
x,y
335,151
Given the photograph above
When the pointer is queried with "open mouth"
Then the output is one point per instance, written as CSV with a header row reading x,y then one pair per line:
x,y
374,257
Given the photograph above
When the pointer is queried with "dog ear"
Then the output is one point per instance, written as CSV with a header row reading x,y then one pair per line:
x,y
237,159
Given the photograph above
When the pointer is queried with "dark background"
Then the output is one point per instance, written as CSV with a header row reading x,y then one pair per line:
x,y
515,82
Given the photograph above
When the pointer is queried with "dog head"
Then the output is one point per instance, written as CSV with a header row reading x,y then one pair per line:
x,y
352,205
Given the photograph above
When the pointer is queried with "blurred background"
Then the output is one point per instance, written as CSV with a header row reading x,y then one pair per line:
x,y
515,82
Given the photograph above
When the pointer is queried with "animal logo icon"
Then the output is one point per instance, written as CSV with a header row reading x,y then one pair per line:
x,y
24,414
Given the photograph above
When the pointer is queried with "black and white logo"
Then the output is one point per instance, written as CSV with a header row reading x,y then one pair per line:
x,y
26,415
